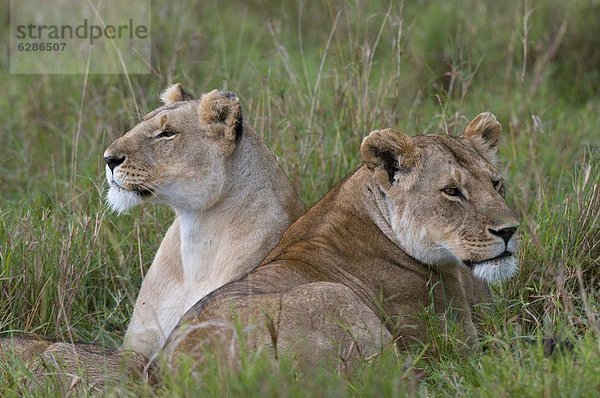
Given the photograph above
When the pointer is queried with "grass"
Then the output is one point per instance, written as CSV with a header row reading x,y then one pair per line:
x,y
314,78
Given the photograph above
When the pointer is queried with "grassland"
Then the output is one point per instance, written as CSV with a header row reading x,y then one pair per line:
x,y
315,77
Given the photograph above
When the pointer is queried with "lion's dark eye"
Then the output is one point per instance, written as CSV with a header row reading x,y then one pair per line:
x,y
165,134
451,191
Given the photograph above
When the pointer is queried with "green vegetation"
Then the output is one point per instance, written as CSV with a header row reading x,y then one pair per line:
x,y
314,78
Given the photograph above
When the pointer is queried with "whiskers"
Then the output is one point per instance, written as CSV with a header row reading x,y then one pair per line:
x,y
128,194
152,189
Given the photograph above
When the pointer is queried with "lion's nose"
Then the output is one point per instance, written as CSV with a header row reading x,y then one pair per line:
x,y
504,233
113,161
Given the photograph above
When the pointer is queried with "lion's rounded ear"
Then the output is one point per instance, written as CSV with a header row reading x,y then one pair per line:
x,y
221,112
175,93
484,132
389,150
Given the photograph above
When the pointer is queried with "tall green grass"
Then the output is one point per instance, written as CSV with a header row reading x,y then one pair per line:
x,y
314,77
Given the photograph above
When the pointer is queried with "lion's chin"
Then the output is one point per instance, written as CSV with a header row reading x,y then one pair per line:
x,y
121,200
497,269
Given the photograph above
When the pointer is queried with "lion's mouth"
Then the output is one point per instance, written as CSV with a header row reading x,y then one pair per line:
x,y
472,264
141,191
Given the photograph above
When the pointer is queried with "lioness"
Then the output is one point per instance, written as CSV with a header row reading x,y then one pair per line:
x,y
412,228
232,203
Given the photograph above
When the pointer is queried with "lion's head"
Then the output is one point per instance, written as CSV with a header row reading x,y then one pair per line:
x,y
177,154
443,197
